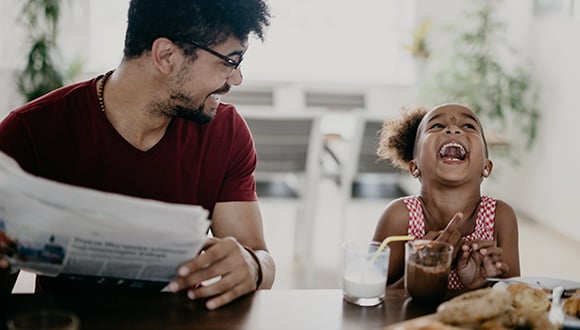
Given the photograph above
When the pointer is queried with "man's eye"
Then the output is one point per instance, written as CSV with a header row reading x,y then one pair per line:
x,y
233,62
470,126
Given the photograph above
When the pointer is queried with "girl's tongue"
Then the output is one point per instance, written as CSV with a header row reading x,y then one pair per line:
x,y
452,151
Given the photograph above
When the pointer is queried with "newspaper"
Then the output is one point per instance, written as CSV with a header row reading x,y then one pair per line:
x,y
56,229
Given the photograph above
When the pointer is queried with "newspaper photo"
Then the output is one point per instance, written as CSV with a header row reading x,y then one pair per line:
x,y
56,229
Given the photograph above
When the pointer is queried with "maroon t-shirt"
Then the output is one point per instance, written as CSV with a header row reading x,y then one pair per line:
x,y
65,137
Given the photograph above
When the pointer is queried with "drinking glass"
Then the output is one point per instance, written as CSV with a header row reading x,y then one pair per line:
x,y
364,275
427,266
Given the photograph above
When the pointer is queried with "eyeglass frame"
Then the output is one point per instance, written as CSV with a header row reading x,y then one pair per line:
x,y
232,63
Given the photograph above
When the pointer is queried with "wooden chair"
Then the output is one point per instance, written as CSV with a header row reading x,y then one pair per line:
x,y
364,175
288,148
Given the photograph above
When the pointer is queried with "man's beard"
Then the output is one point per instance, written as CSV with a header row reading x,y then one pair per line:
x,y
177,110
177,107
180,105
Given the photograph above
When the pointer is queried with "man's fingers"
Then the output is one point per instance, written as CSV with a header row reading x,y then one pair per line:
x,y
4,264
222,291
209,242
226,297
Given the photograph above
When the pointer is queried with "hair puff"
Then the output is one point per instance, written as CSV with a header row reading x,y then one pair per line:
x,y
397,137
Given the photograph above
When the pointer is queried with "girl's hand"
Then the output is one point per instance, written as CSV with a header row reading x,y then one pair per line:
x,y
478,260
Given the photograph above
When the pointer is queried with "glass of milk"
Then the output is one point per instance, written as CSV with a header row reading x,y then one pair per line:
x,y
364,273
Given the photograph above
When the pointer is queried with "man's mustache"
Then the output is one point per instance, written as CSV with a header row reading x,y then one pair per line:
x,y
223,90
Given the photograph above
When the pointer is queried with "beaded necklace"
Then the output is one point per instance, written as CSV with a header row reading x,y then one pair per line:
x,y
101,91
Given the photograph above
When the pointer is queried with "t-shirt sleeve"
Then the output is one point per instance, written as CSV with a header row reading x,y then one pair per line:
x,y
239,183
16,142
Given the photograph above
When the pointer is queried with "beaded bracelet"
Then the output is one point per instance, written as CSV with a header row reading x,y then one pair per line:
x,y
260,272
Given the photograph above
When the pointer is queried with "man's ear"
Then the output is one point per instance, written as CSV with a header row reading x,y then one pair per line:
x,y
164,54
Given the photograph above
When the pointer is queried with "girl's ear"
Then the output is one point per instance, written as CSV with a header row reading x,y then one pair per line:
x,y
487,168
414,169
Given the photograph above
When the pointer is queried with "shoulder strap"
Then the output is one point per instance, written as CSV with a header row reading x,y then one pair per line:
x,y
416,219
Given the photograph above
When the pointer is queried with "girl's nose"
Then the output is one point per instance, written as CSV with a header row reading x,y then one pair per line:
x,y
453,130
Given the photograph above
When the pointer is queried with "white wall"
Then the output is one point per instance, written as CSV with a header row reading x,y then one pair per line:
x,y
10,49
542,187
546,185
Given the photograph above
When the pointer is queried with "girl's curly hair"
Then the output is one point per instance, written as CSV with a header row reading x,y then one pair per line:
x,y
397,137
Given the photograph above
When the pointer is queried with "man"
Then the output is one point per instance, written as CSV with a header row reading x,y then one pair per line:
x,y
154,128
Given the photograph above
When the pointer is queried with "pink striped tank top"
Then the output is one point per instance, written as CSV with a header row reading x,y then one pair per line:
x,y
483,227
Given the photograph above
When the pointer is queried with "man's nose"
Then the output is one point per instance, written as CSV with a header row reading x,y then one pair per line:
x,y
236,77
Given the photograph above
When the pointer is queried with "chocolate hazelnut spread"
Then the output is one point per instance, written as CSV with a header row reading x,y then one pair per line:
x,y
427,268
426,283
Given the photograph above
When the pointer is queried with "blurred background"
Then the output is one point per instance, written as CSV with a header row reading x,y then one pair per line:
x,y
346,66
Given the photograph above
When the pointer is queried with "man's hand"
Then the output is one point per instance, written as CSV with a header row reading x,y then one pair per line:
x,y
4,264
6,278
224,271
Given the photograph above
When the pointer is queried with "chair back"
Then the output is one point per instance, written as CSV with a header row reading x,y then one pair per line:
x,y
282,145
368,141
288,148
286,143
366,175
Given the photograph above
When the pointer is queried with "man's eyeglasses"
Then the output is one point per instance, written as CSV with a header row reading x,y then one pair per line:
x,y
230,62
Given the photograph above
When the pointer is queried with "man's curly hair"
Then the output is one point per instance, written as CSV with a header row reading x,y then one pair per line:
x,y
397,137
208,22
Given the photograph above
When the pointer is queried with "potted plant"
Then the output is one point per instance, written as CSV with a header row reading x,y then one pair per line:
x,y
503,96
418,47
43,71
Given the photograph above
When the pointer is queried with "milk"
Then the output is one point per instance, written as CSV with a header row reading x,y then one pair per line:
x,y
364,273
367,284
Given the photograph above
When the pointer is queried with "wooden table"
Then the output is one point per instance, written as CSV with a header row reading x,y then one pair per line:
x,y
266,309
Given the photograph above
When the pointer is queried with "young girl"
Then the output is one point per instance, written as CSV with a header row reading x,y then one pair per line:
x,y
445,149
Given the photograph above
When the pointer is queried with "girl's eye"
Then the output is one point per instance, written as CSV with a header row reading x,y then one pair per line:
x,y
470,126
437,125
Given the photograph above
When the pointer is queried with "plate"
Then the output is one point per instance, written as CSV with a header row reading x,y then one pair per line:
x,y
542,282
549,283
571,322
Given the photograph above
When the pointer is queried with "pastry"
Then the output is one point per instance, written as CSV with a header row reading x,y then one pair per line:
x,y
528,297
475,306
572,305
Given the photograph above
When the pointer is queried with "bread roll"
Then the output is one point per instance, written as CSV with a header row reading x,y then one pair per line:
x,y
474,307
572,305
528,297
